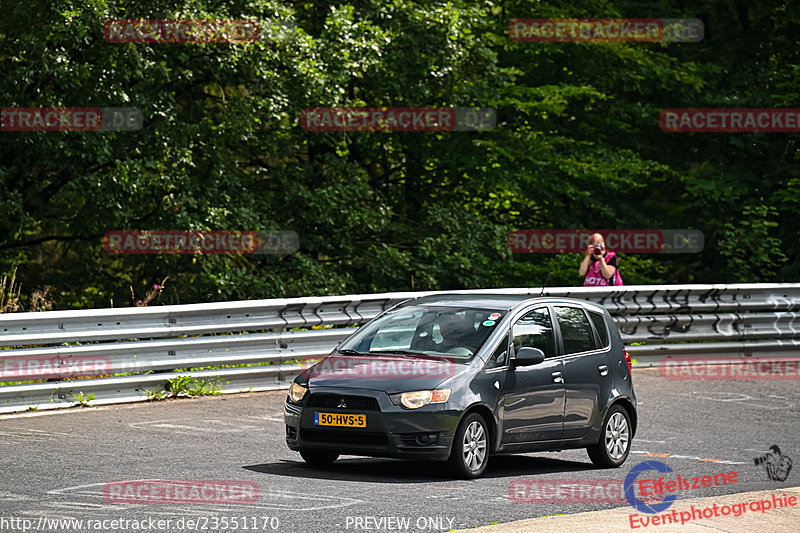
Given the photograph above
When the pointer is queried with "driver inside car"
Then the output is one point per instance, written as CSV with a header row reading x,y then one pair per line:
x,y
457,334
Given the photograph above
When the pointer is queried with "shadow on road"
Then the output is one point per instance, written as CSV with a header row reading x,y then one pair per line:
x,y
405,471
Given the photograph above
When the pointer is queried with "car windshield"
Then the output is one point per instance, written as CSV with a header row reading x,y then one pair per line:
x,y
426,331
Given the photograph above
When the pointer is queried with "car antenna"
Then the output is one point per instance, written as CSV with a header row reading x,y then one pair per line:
x,y
545,283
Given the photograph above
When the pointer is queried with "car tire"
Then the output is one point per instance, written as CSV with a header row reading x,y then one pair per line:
x,y
470,452
319,458
615,439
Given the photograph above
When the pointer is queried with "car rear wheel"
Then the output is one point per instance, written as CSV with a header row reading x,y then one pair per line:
x,y
615,440
470,451
319,458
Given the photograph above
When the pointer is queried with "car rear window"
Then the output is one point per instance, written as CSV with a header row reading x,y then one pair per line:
x,y
600,326
576,333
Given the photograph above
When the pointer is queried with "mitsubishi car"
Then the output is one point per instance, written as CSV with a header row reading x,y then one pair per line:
x,y
458,378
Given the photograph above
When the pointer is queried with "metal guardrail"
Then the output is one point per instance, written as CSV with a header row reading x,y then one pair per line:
x,y
655,321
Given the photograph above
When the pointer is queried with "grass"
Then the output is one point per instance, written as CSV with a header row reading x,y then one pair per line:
x,y
185,387
83,401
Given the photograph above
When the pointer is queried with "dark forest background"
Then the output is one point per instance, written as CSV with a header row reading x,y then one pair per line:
x,y
577,145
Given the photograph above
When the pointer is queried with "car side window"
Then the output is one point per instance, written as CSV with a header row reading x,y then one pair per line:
x,y
576,333
535,330
500,356
600,325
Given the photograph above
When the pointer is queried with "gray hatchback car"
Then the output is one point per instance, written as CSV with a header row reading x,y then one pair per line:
x,y
458,378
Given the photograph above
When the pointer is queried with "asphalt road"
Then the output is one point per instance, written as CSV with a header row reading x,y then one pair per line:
x,y
55,465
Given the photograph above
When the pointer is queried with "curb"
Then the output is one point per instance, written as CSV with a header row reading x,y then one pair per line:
x,y
776,520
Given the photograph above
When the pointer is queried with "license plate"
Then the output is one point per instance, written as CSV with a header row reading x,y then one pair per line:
x,y
340,419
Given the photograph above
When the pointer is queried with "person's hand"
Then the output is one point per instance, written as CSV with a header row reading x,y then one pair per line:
x,y
589,250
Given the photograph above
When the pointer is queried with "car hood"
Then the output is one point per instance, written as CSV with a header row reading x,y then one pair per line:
x,y
384,373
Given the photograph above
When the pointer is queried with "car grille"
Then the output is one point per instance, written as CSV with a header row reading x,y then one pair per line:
x,y
345,437
352,403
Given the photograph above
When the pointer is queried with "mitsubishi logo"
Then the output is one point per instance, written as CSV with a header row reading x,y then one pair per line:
x,y
342,404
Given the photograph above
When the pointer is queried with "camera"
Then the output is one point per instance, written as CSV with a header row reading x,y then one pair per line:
x,y
597,249
774,449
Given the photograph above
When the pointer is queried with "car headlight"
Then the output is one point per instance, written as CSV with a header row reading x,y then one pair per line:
x,y
296,392
416,399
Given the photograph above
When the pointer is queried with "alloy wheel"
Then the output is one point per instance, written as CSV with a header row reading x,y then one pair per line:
x,y
474,445
617,436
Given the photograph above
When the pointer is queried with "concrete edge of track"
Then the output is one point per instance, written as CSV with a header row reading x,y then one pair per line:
x,y
774,519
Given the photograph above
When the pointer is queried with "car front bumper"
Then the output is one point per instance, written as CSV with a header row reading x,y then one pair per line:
x,y
391,430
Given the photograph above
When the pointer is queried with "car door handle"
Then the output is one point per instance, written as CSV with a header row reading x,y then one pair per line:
x,y
557,377
603,370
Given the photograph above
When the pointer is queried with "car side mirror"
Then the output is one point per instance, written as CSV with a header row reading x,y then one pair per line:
x,y
528,356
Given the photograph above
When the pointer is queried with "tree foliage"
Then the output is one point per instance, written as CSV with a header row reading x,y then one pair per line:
x,y
577,145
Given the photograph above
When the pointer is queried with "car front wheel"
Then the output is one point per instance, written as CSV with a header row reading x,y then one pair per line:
x,y
615,440
470,451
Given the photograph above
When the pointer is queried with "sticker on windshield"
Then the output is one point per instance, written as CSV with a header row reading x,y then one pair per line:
x,y
494,316
489,323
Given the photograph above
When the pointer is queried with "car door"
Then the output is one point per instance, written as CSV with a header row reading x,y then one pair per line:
x,y
533,396
587,375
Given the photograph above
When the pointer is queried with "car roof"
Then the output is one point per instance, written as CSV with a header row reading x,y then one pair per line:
x,y
493,301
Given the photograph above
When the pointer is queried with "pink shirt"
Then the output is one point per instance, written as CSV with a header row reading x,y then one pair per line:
x,y
595,278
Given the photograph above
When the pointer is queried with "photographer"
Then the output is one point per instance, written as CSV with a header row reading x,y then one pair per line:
x,y
599,266
776,463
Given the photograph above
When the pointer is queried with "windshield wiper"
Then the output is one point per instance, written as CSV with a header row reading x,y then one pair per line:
x,y
412,355
348,351
396,352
